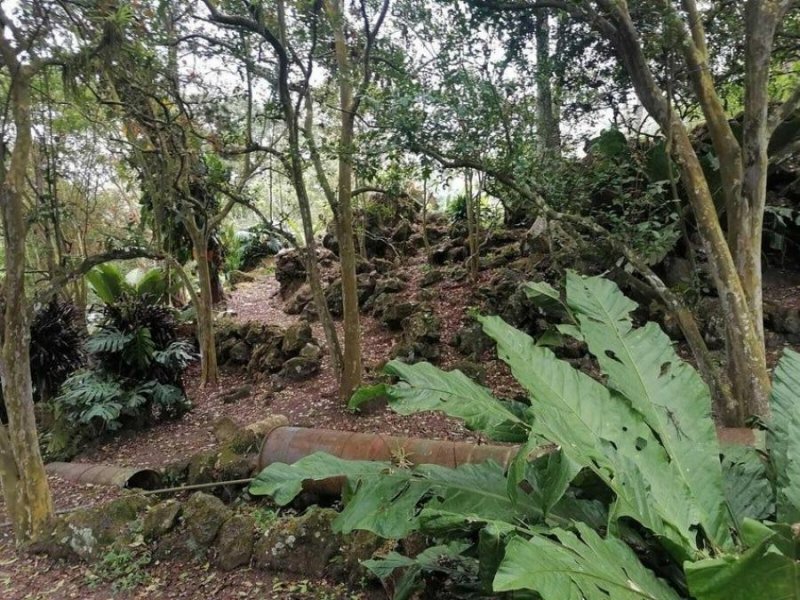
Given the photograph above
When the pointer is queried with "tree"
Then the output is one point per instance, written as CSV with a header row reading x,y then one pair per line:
x,y
22,473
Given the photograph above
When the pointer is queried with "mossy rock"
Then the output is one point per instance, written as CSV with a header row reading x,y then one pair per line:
x,y
203,515
86,534
201,468
303,545
161,519
299,368
473,370
357,547
295,337
175,473
234,544
244,441
231,465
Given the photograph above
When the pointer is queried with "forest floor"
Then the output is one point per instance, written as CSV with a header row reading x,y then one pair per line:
x,y
311,403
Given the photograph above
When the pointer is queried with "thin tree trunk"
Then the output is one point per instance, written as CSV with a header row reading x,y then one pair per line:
x,y
549,141
205,313
22,473
425,239
472,236
351,367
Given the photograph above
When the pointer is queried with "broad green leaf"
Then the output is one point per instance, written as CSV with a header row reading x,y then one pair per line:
x,y
783,439
152,285
447,559
641,364
366,393
426,388
138,352
578,568
284,482
107,340
747,486
387,500
107,282
762,572
546,297
598,429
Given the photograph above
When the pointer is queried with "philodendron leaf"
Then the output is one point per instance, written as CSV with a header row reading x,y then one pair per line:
x,y
642,365
387,500
423,387
783,439
598,429
765,571
747,487
446,559
570,567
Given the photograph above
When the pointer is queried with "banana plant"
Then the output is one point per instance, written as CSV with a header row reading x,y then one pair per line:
x,y
637,501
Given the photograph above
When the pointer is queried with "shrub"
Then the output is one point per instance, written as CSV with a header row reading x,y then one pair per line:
x,y
618,491
56,349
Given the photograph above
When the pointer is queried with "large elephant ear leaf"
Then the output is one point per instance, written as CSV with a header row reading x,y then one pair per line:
x,y
578,566
423,387
642,365
783,439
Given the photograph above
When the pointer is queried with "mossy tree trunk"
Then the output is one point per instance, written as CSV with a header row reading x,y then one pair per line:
x,y
22,473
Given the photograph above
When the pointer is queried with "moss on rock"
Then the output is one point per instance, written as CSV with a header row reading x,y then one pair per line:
x,y
203,515
161,519
234,544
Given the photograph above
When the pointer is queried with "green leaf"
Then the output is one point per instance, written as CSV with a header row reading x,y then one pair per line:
x,y
574,568
107,340
783,439
446,559
366,393
642,365
426,388
763,571
747,487
107,282
152,286
599,430
547,298
138,352
387,500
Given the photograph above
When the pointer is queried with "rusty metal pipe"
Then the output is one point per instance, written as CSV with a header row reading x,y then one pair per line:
x,y
124,477
290,444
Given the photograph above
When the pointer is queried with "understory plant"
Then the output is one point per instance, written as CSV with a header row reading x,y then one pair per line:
x,y
135,365
619,490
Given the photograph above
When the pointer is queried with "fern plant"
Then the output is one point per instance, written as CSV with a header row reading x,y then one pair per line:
x,y
619,490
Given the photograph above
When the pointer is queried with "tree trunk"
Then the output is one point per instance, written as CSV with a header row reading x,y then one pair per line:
x,y
22,471
746,354
472,235
425,240
205,313
549,141
351,360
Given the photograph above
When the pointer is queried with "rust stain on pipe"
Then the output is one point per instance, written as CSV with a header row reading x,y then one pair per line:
x,y
290,444
124,477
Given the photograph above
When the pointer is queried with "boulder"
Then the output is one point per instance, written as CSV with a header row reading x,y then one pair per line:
x,y
402,232
161,519
299,300
389,285
471,342
472,369
391,311
201,468
299,368
333,298
203,516
290,271
303,545
431,277
234,544
420,339
237,277
311,351
87,534
224,429
296,337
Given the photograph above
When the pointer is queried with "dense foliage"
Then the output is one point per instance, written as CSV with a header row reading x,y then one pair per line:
x,y
135,364
620,489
